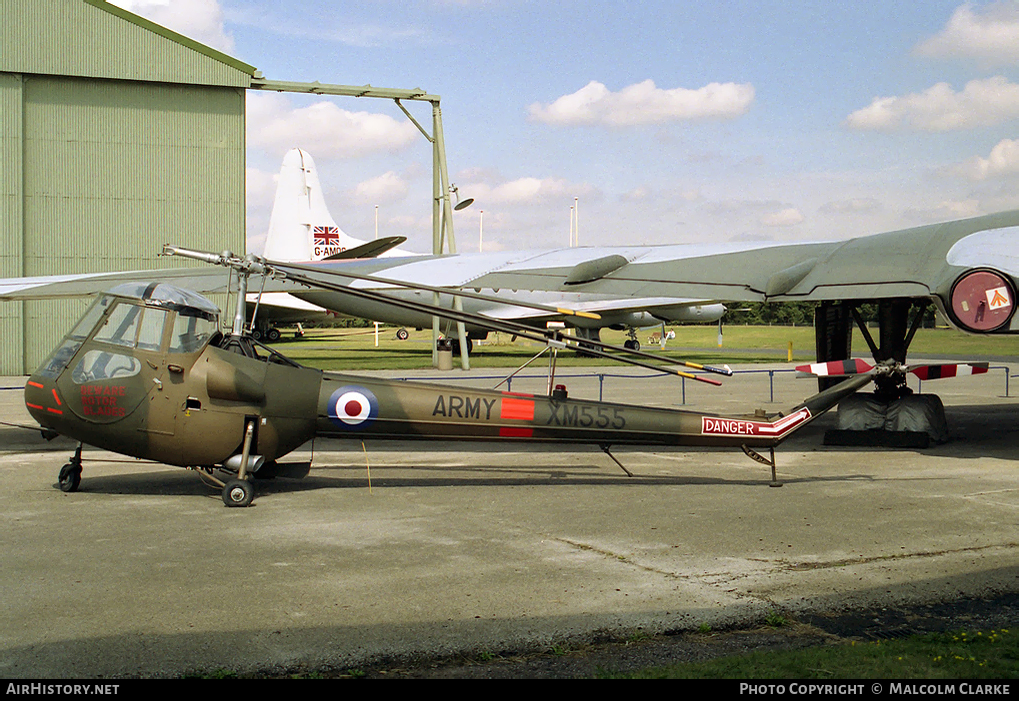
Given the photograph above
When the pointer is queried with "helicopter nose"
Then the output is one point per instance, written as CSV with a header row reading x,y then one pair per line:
x,y
42,401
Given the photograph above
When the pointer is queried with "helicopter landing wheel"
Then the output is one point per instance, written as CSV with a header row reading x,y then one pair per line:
x,y
70,474
70,477
238,493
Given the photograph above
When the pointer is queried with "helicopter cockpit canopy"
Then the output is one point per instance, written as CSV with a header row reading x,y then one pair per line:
x,y
152,317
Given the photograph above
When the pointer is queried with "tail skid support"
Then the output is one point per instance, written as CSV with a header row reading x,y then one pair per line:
x,y
605,449
754,455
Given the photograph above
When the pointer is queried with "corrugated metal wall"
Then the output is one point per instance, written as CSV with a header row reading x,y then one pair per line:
x,y
98,173
93,39
11,216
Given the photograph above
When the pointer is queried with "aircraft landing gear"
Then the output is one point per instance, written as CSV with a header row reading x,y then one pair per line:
x,y
632,343
70,474
238,492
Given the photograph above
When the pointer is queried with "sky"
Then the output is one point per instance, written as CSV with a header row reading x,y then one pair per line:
x,y
663,122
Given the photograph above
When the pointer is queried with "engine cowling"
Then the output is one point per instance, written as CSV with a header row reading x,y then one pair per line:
x,y
982,301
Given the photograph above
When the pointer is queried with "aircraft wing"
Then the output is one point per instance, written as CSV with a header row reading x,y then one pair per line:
x,y
920,262
937,261
970,268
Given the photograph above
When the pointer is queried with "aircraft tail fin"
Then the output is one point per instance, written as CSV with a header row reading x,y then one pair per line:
x,y
300,227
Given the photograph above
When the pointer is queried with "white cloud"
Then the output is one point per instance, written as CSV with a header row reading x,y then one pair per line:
x,y
1003,161
259,186
524,190
201,20
275,125
384,189
947,210
989,35
790,216
643,103
984,102
851,206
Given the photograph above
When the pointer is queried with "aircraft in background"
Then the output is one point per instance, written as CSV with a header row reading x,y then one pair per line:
x,y
302,230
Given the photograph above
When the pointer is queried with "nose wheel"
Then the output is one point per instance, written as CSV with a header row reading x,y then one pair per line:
x,y
238,492
69,478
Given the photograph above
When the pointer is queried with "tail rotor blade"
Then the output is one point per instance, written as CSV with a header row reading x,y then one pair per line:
x,y
937,372
836,368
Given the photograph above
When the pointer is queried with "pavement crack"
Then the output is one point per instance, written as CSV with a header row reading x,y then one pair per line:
x,y
847,562
622,558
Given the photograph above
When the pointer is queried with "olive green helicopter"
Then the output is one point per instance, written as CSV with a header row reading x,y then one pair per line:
x,y
147,372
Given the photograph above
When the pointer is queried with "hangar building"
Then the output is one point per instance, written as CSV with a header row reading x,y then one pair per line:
x,y
116,136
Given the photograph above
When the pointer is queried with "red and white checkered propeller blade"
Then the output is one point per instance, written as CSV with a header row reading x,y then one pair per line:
x,y
940,371
836,368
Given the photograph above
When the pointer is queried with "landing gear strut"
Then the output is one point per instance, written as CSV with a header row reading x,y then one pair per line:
x,y
240,492
70,474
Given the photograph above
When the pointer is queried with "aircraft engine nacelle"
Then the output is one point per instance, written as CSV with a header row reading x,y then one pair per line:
x,y
982,301
689,313
678,314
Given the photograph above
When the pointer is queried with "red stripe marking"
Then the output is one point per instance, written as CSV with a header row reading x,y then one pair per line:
x,y
34,384
56,398
33,406
516,409
512,432
54,411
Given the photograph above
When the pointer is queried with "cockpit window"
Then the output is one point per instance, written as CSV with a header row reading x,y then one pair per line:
x,y
121,327
191,330
103,365
59,360
134,326
87,322
150,333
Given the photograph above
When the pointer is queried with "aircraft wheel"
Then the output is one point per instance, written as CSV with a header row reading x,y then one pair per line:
x,y
402,334
70,477
632,345
273,335
238,493
256,334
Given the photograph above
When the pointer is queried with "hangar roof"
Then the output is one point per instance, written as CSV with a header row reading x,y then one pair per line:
x,y
94,39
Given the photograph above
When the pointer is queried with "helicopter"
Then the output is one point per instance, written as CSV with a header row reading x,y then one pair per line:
x,y
147,372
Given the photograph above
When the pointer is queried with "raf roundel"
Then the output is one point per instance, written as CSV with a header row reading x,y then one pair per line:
x,y
353,407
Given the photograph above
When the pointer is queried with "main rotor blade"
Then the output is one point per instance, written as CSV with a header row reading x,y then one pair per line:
x,y
513,328
252,265
474,295
456,292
